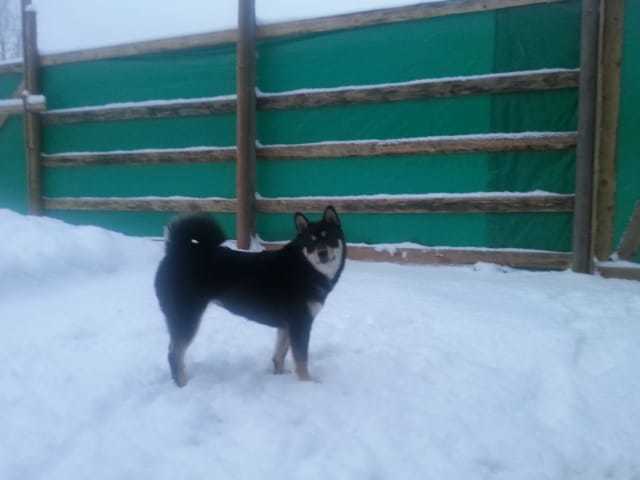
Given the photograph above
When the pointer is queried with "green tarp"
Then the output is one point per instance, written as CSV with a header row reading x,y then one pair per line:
x,y
544,36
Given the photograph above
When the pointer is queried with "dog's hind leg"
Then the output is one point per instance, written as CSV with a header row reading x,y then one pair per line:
x,y
282,347
177,350
182,331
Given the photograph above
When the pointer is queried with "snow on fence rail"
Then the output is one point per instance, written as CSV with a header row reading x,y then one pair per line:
x,y
496,142
508,202
511,82
30,103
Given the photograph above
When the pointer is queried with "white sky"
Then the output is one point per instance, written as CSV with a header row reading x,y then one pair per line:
x,y
66,25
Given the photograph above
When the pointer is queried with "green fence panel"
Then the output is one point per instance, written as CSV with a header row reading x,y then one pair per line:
x,y
553,43
13,174
544,36
628,159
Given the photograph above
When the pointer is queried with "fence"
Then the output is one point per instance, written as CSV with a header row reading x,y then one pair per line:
x,y
247,204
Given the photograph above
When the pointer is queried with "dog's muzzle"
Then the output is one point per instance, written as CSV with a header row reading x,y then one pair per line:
x,y
323,255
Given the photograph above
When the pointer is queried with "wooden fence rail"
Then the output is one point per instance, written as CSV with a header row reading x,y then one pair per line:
x,y
512,82
420,11
506,142
406,204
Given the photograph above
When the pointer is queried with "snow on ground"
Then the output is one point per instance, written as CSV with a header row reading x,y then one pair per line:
x,y
426,372
66,25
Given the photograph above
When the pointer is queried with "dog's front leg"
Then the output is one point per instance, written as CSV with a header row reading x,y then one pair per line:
x,y
299,334
282,347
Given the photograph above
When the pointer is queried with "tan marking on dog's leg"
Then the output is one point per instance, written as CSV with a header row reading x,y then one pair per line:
x,y
303,372
280,353
176,362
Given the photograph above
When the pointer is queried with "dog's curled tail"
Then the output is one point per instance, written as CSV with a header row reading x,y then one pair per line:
x,y
193,232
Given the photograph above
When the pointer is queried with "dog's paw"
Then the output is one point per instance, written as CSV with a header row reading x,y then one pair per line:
x,y
180,378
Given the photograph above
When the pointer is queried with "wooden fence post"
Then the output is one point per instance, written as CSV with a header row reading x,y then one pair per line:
x,y
611,32
32,126
585,149
246,123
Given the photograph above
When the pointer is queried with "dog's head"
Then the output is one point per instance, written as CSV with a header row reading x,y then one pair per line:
x,y
322,241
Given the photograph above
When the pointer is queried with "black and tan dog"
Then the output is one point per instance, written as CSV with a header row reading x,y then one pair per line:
x,y
284,289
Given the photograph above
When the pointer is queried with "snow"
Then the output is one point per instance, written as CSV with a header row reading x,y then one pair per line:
x,y
67,25
426,372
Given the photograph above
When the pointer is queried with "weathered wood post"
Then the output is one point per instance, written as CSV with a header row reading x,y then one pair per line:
x,y
585,150
246,123
611,33
31,120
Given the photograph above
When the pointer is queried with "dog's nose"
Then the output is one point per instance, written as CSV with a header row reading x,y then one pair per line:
x,y
323,255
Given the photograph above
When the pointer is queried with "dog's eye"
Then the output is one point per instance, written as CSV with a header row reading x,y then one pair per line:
x,y
323,234
314,238
193,240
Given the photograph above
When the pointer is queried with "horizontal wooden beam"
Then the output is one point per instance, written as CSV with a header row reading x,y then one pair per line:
x,y
185,42
430,203
529,259
420,89
33,103
141,157
499,142
17,93
619,272
462,203
421,11
8,67
506,142
537,80
139,110
138,204
459,256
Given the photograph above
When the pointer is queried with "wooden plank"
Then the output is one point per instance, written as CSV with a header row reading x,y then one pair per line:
x,y
630,243
304,27
458,256
138,204
583,215
621,273
529,259
535,141
8,67
370,18
246,124
139,110
141,157
419,89
32,128
462,203
33,103
184,42
429,145
17,93
611,27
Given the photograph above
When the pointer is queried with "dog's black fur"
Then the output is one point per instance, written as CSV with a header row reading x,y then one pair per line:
x,y
282,288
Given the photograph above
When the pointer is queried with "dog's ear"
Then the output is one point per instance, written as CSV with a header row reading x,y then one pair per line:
x,y
302,223
331,216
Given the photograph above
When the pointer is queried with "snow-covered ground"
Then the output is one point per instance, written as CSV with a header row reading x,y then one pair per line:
x,y
426,372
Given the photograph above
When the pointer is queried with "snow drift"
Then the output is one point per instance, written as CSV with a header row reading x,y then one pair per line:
x,y
426,372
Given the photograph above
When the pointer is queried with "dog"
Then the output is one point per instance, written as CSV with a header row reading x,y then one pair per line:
x,y
285,288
